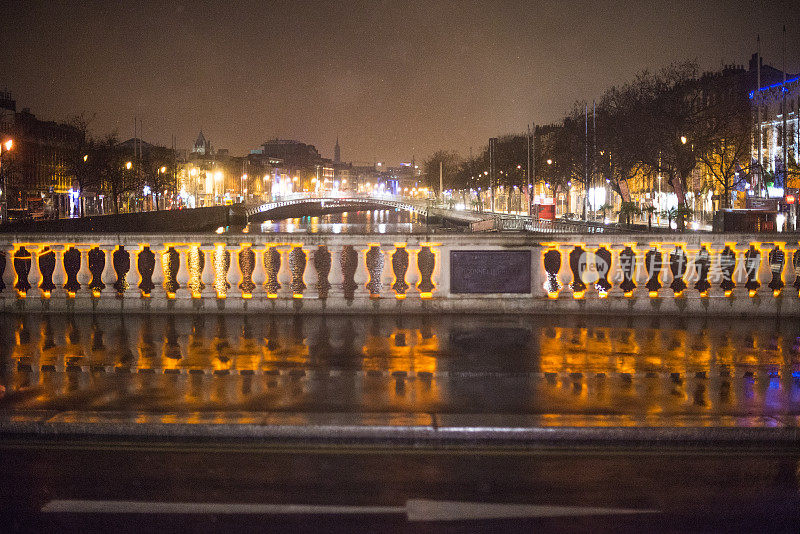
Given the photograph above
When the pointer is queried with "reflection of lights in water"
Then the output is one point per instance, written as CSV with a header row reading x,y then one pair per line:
x,y
403,363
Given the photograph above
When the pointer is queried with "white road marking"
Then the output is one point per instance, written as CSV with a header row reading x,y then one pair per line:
x,y
415,509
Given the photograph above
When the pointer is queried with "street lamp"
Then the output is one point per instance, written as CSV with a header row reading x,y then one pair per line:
x,y
5,147
128,165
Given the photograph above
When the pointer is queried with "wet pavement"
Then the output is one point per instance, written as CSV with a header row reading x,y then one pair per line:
x,y
636,368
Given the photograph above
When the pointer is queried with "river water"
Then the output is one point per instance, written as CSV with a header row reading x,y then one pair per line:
x,y
353,222
560,365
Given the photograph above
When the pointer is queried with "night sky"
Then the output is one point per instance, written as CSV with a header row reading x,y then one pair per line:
x,y
392,79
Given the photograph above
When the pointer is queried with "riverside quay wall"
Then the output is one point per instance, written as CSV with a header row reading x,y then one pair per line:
x,y
672,274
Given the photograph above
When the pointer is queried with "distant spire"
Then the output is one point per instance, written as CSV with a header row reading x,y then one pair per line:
x,y
337,152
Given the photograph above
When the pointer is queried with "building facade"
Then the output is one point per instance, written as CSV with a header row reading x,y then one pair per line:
x,y
37,171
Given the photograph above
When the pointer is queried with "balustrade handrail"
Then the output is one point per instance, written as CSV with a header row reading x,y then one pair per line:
x,y
405,267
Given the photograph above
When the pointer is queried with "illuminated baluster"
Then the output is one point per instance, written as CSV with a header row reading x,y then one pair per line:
x,y
640,275
9,274
715,271
564,272
284,272
234,275
309,273
132,278
413,275
790,273
182,276
765,270
35,274
109,275
692,275
84,274
361,276
335,275
666,272
207,275
739,276
259,273
59,273
615,276
591,275
387,276
158,270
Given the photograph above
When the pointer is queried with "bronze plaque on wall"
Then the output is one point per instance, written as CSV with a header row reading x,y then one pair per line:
x,y
490,271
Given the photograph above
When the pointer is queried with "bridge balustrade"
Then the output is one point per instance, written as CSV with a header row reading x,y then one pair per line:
x,y
720,273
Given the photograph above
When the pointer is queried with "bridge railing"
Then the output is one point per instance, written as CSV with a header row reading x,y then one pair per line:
x,y
465,272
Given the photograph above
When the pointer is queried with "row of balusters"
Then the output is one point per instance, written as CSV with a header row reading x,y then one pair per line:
x,y
670,269
217,271
209,270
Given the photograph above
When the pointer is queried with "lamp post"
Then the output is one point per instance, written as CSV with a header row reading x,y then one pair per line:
x,y
5,147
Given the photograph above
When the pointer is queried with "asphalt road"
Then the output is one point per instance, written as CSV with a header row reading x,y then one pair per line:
x,y
216,487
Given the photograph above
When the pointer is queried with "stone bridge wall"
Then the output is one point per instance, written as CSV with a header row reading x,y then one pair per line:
x,y
719,274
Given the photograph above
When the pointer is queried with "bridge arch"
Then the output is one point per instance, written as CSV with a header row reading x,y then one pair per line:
x,y
308,205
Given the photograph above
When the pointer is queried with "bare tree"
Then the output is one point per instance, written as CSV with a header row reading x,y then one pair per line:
x,y
77,159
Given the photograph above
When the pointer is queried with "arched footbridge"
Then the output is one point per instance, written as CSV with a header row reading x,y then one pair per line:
x,y
315,203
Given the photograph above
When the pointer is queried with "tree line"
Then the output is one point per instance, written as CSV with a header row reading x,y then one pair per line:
x,y
102,165
661,123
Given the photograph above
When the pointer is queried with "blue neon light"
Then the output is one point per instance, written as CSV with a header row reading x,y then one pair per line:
x,y
775,85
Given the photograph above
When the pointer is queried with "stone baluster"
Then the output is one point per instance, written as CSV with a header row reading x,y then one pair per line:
x,y
109,275
182,275
234,275
9,274
765,270
84,274
285,272
335,276
259,272
739,275
387,273
666,277
591,275
413,275
361,276
715,270
640,275
615,274
789,272
132,278
35,274
59,273
207,276
158,270
692,275
564,272
309,273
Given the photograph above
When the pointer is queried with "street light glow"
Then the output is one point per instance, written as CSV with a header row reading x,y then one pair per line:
x,y
128,165
8,144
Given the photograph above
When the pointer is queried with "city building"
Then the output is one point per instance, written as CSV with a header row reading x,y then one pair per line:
x,y
37,173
